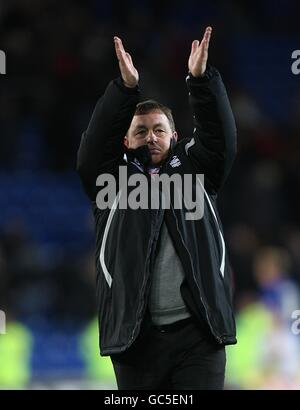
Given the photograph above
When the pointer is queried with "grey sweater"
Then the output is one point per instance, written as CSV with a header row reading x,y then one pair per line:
x,y
165,303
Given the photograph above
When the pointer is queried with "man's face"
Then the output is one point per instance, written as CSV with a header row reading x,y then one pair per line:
x,y
154,130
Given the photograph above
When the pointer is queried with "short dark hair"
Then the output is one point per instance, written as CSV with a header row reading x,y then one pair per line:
x,y
145,107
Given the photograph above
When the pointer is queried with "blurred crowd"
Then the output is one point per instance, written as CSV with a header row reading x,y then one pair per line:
x,y
60,57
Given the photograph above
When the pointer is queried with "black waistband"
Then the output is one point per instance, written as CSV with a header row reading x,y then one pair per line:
x,y
171,327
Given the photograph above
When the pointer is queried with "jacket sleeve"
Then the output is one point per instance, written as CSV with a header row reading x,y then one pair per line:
x,y
102,143
213,146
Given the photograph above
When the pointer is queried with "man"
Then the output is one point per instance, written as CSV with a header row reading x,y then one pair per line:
x,y
163,280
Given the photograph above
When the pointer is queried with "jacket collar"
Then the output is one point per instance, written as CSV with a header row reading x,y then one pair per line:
x,y
142,155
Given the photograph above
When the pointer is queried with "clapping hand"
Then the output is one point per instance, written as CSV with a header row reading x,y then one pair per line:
x,y
199,54
129,73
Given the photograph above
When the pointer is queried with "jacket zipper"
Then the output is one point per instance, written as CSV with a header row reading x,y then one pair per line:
x,y
146,278
217,337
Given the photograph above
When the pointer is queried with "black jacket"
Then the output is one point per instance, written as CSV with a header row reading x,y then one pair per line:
x,y
126,238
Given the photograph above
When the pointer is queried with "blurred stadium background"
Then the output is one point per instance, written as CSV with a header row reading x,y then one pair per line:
x,y
60,57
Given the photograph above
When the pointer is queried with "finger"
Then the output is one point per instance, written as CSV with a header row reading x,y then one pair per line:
x,y
119,48
195,45
121,45
207,35
129,58
205,40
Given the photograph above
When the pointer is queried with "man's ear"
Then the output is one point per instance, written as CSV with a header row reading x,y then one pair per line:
x,y
125,141
175,135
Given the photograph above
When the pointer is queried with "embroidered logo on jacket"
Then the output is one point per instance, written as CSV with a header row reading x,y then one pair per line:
x,y
175,162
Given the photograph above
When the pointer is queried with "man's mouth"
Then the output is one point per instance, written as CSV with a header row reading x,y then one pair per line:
x,y
154,151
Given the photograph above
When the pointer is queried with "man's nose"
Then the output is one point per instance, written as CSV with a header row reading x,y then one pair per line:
x,y
151,137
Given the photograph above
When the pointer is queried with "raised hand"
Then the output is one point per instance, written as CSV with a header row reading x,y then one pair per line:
x,y
199,53
129,73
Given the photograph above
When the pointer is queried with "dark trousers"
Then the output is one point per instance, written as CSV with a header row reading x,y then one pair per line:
x,y
182,356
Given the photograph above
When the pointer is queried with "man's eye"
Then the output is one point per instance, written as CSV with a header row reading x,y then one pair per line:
x,y
159,130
